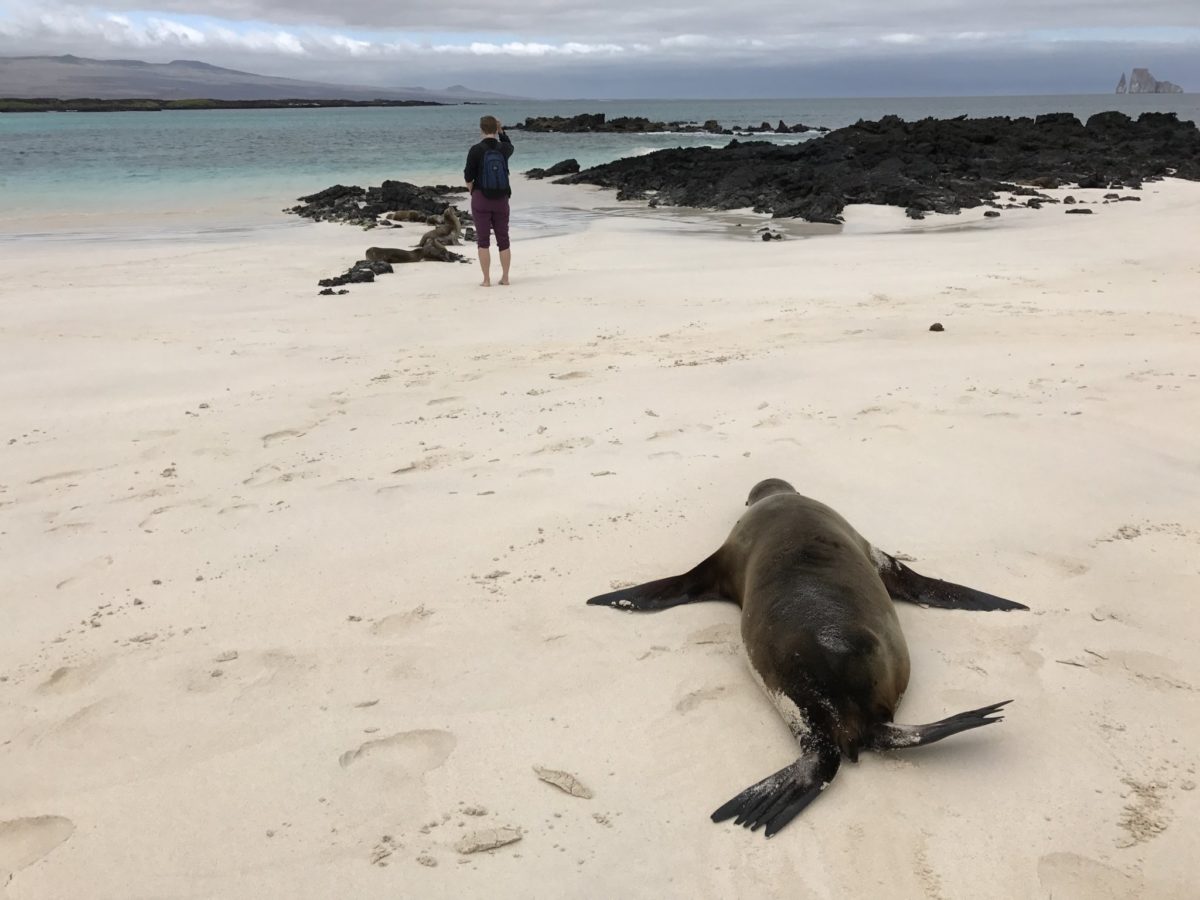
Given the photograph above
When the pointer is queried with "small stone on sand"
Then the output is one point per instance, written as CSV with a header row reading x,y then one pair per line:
x,y
564,781
488,839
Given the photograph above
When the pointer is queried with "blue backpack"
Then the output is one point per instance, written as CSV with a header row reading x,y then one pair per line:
x,y
493,173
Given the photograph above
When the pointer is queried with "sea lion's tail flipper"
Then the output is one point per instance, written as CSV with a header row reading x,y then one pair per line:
x,y
777,800
700,584
903,583
889,736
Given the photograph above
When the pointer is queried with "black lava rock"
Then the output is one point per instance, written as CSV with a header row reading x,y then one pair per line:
x,y
932,165
937,326
363,206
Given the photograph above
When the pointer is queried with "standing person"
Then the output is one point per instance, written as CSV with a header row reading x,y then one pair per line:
x,y
486,174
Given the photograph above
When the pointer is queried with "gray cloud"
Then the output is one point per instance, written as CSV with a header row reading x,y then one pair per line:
x,y
634,48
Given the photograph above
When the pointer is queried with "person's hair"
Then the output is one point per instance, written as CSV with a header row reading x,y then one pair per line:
x,y
488,124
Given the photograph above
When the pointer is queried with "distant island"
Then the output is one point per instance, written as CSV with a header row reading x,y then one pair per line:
x,y
36,78
1140,81
92,104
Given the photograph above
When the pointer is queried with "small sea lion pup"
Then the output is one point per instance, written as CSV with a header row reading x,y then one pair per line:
x,y
822,636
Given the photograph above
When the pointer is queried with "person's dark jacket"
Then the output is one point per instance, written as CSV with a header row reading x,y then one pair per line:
x,y
475,159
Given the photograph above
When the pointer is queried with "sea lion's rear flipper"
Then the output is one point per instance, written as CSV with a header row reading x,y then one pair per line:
x,y
903,583
889,736
700,584
777,800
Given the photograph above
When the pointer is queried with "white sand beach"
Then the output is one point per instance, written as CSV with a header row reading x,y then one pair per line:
x,y
293,594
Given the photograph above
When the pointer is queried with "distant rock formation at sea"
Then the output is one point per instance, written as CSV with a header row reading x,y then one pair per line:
x,y
1142,82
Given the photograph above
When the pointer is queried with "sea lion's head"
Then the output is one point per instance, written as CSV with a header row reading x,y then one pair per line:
x,y
767,488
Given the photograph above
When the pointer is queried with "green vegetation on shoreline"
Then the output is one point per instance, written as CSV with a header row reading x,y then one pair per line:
x,y
91,104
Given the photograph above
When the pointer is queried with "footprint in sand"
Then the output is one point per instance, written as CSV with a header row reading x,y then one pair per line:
x,y
145,524
438,401
696,698
531,473
238,510
270,474
1069,876
571,376
62,476
433,461
412,752
68,679
721,634
90,568
565,446
676,432
276,436
24,841
390,626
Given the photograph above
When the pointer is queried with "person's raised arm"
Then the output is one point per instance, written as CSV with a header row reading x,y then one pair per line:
x,y
470,170
506,144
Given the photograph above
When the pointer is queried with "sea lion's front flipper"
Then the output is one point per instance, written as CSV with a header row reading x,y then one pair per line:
x,y
777,800
700,584
903,583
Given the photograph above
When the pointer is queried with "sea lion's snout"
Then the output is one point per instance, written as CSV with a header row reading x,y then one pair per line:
x,y
768,487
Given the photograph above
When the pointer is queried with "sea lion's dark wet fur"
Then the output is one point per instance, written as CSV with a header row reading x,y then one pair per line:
x,y
821,634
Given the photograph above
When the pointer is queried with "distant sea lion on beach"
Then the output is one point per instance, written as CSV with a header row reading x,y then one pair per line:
x,y
428,252
822,638
448,229
408,215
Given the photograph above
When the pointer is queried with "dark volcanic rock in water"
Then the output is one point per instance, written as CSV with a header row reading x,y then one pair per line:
x,y
566,167
599,122
362,206
933,165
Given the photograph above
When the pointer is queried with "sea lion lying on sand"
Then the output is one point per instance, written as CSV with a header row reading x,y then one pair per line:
x,y
822,638
426,252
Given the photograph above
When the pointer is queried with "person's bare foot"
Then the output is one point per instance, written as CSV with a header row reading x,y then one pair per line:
x,y
485,284
504,281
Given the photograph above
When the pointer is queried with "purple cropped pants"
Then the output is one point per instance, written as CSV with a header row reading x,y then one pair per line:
x,y
490,214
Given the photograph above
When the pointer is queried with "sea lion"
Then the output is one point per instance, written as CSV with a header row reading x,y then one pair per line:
x,y
447,229
822,638
428,251
393,255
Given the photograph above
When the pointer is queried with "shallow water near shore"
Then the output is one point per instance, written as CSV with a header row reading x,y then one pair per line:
x,y
238,168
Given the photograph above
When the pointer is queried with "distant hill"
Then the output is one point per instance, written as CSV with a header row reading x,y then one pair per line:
x,y
121,79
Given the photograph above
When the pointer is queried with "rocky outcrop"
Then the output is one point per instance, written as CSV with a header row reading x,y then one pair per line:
x,y
1122,85
364,206
566,167
599,122
1142,82
933,165
362,272
391,203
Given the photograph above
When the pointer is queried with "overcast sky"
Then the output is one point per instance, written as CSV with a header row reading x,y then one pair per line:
x,y
643,48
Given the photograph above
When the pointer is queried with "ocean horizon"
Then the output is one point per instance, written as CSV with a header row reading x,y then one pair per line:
x,y
247,165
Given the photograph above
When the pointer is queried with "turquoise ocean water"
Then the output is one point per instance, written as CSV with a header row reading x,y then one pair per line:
x,y
253,162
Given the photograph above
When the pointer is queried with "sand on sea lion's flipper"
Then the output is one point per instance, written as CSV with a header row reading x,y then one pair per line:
x,y
564,781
